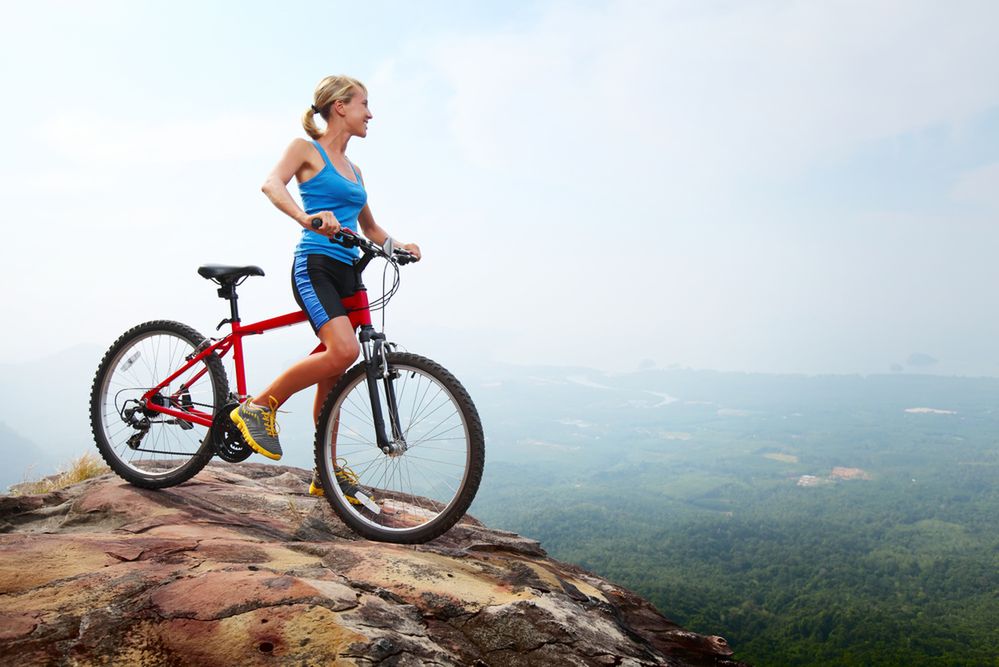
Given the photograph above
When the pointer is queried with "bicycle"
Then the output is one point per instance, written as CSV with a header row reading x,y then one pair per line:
x,y
396,425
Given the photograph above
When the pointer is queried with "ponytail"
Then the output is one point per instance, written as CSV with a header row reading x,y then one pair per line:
x,y
309,122
331,89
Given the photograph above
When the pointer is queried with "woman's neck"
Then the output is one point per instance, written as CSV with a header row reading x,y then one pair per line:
x,y
335,141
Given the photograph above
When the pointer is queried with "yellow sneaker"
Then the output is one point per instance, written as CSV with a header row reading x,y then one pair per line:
x,y
316,487
258,426
353,491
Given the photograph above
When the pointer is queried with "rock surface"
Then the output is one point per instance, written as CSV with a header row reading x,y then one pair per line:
x,y
241,566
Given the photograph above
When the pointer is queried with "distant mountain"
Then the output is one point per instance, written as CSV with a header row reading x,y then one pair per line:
x,y
47,401
23,459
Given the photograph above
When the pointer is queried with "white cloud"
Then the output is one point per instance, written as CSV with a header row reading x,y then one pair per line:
x,y
979,185
686,127
697,94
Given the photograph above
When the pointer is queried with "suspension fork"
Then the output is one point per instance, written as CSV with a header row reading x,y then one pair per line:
x,y
376,368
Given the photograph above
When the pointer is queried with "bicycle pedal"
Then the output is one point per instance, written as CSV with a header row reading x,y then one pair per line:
x,y
368,502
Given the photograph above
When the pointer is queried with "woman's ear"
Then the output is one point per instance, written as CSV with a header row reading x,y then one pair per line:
x,y
338,107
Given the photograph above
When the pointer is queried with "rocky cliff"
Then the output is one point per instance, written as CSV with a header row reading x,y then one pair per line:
x,y
241,566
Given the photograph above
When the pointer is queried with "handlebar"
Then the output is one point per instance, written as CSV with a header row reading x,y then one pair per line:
x,y
350,239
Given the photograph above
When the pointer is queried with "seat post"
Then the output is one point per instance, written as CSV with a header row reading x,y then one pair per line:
x,y
227,278
227,290
233,309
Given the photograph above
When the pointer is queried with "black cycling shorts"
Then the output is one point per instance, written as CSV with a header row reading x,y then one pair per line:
x,y
319,283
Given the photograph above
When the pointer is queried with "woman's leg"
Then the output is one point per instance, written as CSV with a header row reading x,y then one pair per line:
x,y
318,283
321,368
256,419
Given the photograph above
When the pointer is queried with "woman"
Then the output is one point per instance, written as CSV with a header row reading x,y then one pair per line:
x,y
332,190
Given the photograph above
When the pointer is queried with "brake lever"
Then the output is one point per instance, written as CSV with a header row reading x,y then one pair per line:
x,y
344,237
404,256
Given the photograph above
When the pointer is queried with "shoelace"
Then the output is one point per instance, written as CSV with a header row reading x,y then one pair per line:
x,y
344,473
269,416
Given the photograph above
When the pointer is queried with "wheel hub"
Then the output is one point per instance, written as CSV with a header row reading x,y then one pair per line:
x,y
395,448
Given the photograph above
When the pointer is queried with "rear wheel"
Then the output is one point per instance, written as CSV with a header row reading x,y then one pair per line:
x,y
148,448
426,483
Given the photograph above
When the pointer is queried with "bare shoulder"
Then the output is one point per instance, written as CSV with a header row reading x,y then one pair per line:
x,y
297,160
299,146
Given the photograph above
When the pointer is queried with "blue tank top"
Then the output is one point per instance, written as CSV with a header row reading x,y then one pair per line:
x,y
329,191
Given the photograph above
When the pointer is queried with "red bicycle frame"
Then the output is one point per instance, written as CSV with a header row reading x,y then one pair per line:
x,y
357,310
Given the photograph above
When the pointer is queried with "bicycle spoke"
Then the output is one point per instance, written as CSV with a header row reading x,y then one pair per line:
x,y
362,411
421,482
383,466
427,416
432,484
360,438
415,410
435,432
445,463
439,449
168,442
351,414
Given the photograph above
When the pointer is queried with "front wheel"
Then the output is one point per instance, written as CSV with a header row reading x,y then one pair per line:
x,y
425,484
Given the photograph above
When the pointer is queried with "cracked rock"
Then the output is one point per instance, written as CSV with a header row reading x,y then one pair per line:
x,y
241,566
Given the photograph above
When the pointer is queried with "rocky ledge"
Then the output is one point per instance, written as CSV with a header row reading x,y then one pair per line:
x,y
241,566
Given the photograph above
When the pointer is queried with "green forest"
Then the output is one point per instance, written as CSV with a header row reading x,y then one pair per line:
x,y
809,521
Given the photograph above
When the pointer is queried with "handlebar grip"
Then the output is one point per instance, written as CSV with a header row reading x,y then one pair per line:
x,y
404,257
344,237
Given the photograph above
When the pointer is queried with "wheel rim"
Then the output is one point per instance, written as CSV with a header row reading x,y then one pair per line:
x,y
142,364
417,486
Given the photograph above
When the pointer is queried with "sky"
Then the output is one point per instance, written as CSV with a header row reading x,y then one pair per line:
x,y
772,186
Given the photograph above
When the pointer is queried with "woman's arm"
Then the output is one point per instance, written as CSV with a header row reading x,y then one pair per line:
x,y
295,160
373,231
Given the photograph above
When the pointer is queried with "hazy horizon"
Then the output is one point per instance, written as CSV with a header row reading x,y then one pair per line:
x,y
561,396
467,359
797,187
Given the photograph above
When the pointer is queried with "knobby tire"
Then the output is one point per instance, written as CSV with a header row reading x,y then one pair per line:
x,y
109,388
427,404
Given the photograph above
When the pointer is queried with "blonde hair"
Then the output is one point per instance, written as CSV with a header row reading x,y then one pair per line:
x,y
331,89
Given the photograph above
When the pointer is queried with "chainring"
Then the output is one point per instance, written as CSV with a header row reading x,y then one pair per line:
x,y
228,441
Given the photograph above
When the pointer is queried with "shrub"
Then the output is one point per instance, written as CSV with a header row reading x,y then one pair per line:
x,y
84,467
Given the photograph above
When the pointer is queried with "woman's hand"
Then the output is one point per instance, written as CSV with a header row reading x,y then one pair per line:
x,y
329,227
413,249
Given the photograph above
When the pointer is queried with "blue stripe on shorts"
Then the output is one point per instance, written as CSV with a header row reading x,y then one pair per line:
x,y
313,308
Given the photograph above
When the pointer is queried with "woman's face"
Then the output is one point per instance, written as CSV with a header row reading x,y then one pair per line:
x,y
356,114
